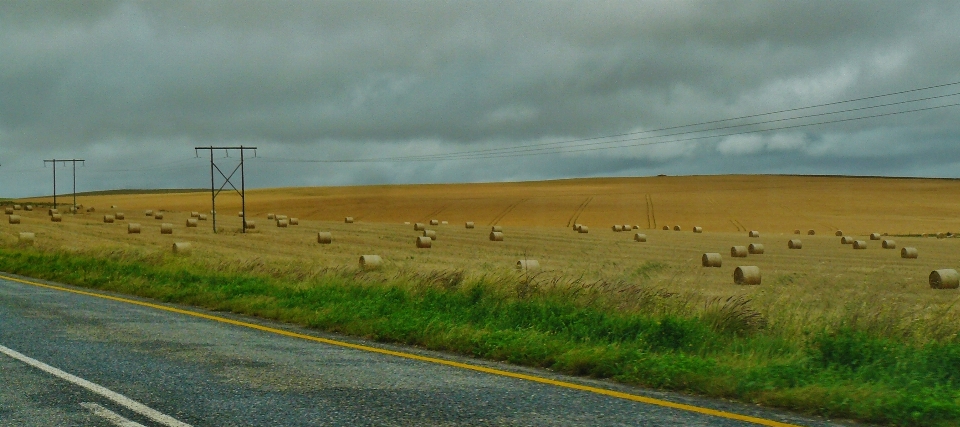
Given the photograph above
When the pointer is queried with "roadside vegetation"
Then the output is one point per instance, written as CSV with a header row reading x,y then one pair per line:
x,y
862,362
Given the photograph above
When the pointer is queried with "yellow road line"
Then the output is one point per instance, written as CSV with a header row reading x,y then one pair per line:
x,y
492,371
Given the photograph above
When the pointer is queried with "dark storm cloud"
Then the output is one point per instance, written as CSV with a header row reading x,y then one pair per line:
x,y
133,86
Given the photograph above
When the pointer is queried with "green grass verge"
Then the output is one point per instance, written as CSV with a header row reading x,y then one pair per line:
x,y
721,352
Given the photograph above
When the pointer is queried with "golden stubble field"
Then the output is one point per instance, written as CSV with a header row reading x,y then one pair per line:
x,y
823,279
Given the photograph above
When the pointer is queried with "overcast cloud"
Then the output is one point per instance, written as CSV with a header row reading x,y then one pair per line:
x,y
133,86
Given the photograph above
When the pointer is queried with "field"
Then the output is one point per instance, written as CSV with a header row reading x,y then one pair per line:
x,y
823,286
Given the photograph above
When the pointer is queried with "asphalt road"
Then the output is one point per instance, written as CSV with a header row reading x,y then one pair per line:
x,y
202,372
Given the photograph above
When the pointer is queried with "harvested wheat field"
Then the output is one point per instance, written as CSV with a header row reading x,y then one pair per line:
x,y
825,278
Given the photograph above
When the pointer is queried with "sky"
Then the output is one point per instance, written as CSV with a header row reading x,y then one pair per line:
x,y
358,93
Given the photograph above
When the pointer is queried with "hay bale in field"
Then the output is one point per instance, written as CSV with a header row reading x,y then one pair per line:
x,y
240,214
348,220
846,240
370,262
796,231
838,233
496,236
497,228
468,224
191,222
202,217
946,278
636,227
910,253
133,228
108,219
711,259
73,209
90,209
753,233
166,228
406,223
874,236
795,244
8,211
528,265
324,237
434,222
56,218
51,211
639,237
148,212
158,215
888,244
294,221
282,223
698,229
666,227
424,242
676,228
250,224
271,216
617,228
27,237
113,206
811,232
444,222
583,229
859,244
738,251
17,207
283,217
120,216
14,219
182,248
746,275
755,248
419,226
194,214
626,227
28,208
432,234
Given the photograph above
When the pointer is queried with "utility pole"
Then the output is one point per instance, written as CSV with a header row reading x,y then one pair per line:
x,y
64,162
214,191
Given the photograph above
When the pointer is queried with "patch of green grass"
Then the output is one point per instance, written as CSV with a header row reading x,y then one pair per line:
x,y
723,349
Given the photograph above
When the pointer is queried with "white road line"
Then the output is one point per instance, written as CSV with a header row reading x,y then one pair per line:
x,y
109,415
117,398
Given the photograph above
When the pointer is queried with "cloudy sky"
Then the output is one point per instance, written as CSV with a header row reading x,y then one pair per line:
x,y
351,92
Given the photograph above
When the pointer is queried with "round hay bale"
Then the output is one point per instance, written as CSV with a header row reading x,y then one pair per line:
x,y
294,221
419,226
676,228
640,237
202,217
27,237
910,253
838,233
666,227
108,219
496,236
133,228
888,244
738,251
753,233
166,228
811,232
746,275
468,224
795,244
158,215
617,228
859,244
874,236
444,222
636,227
796,231
120,216
250,224
73,209
17,207
348,220
191,222
583,229
946,278
711,259
698,229
271,216
406,223
370,262
424,242
432,234
194,214
240,214
51,212
755,248
8,211
90,209
14,219
626,227
434,222
846,240
282,223
29,208
182,248
497,228
576,227
56,218
324,237
148,212
113,206
528,265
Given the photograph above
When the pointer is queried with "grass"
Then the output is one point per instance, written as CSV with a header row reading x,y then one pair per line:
x,y
852,366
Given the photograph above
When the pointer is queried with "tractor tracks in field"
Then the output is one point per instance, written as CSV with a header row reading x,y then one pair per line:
x,y
651,215
579,211
506,211
432,215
